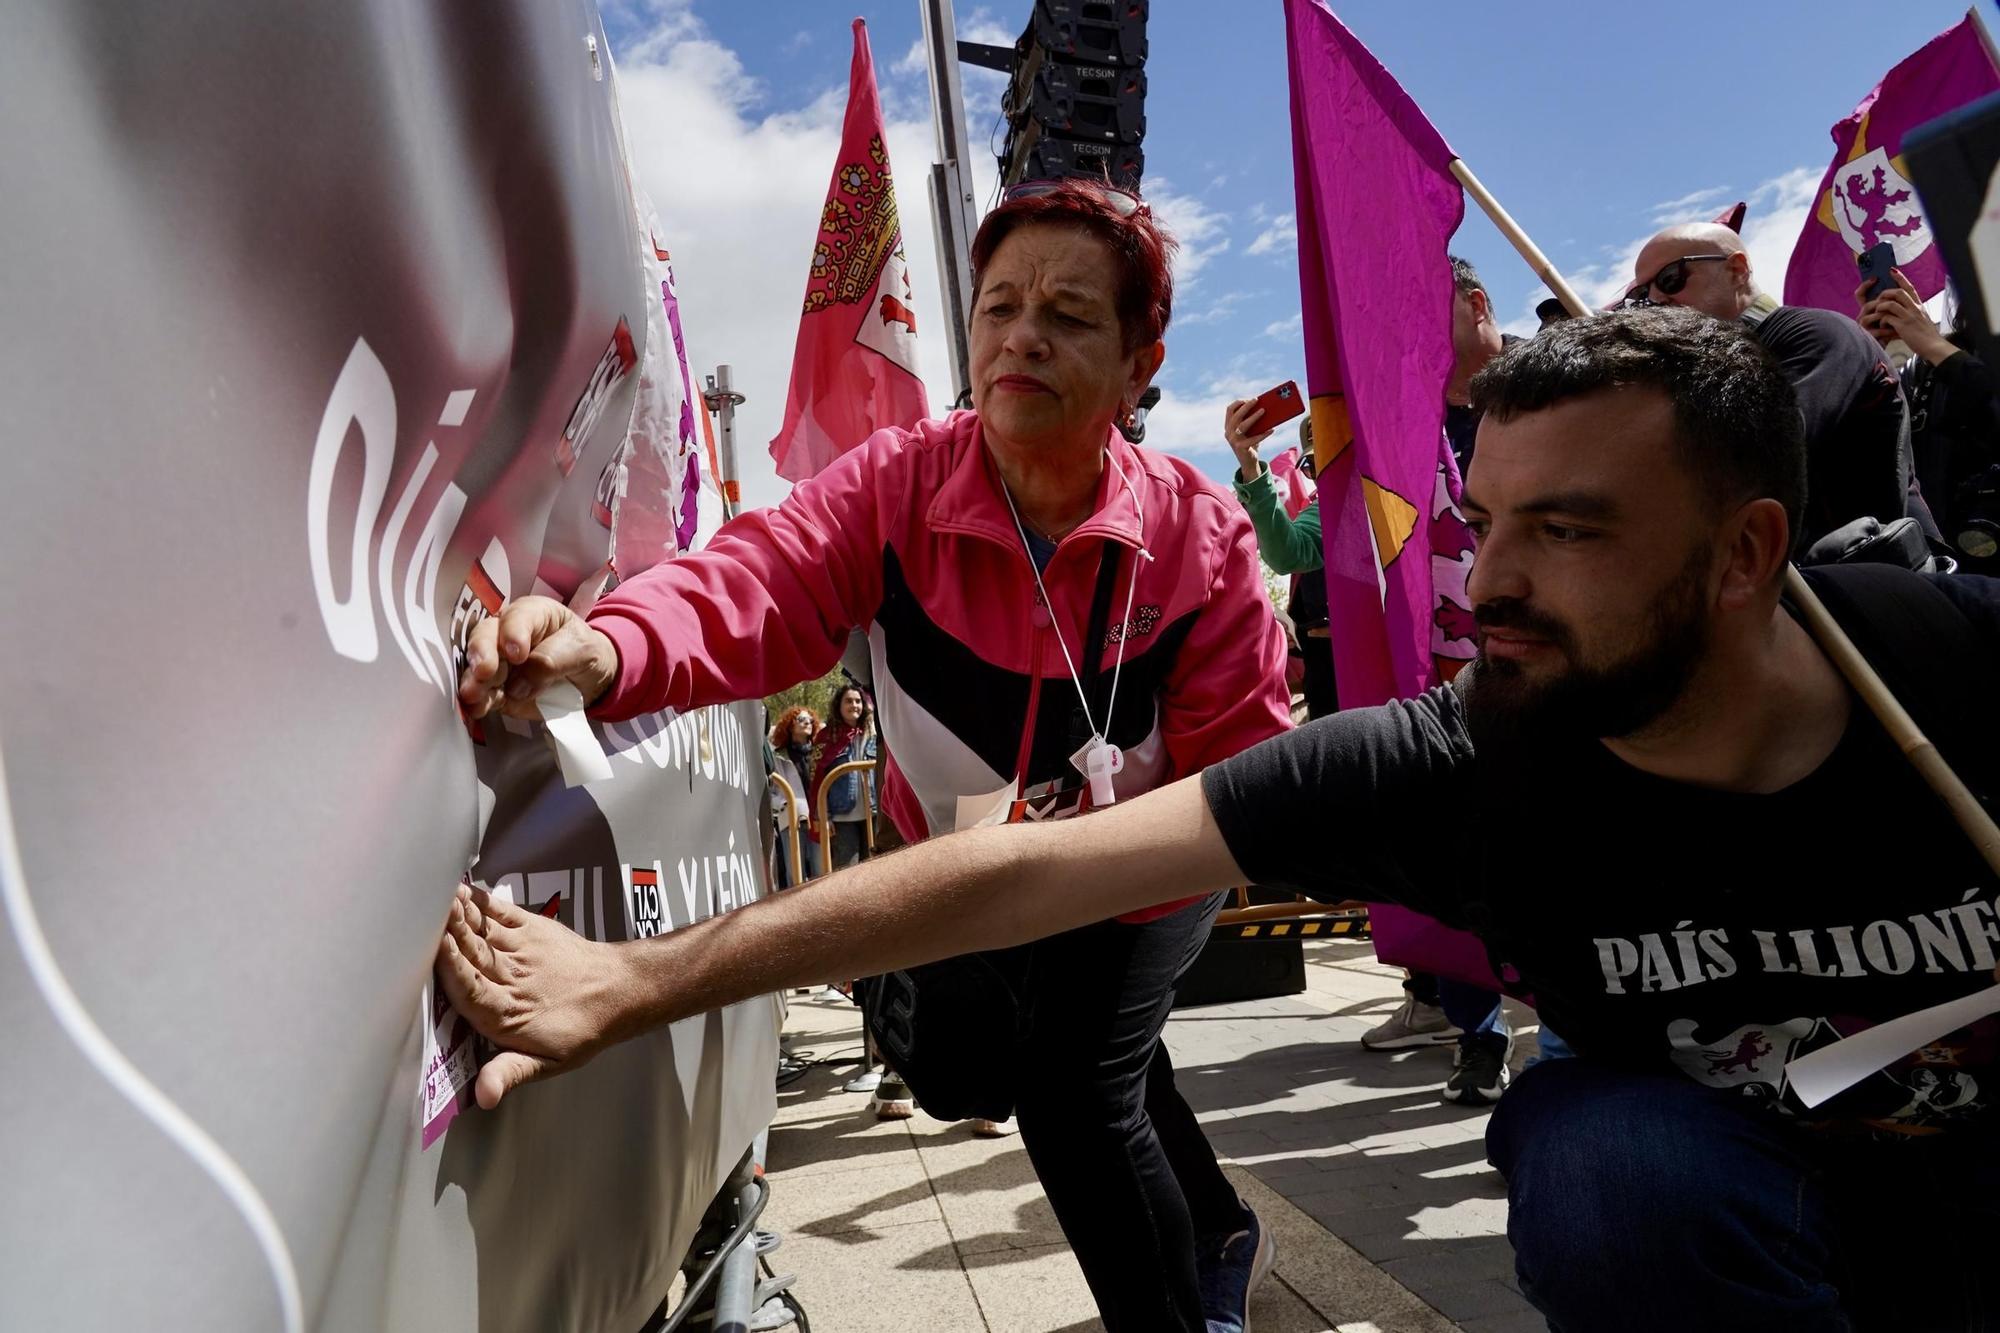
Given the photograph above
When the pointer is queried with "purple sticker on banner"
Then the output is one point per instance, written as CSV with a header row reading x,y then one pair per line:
x,y
449,1066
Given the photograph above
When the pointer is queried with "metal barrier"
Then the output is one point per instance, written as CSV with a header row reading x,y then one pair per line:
x,y
1310,916
866,767
791,826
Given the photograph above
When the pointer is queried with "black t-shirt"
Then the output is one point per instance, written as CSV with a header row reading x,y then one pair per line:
x,y
1857,434
1658,924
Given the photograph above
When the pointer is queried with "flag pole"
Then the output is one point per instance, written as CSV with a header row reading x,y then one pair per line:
x,y
723,399
1985,35
1519,239
1833,641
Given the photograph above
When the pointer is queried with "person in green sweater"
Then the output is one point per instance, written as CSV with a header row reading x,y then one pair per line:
x,y
1288,545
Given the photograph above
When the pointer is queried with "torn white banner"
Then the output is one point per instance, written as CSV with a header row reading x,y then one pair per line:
x,y
1834,1069
577,750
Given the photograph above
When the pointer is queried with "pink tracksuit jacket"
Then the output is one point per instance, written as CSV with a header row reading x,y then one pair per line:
x,y
909,536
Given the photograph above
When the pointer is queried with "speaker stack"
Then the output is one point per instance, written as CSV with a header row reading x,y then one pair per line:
x,y
1076,105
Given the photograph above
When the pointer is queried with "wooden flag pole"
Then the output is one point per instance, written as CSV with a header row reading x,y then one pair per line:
x,y
1833,640
1511,229
1985,36
1902,728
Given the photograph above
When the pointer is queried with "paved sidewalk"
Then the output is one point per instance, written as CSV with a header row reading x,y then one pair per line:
x,y
1387,1218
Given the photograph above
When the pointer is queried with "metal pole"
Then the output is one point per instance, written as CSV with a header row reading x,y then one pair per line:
x,y
736,1285
722,399
952,205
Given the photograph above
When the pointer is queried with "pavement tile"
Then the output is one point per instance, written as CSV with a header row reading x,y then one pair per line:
x,y
1471,1300
845,1290
1527,1321
1387,1217
1020,1291
1336,1282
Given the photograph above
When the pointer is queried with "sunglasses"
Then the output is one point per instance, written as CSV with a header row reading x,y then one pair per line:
x,y
1123,202
1671,278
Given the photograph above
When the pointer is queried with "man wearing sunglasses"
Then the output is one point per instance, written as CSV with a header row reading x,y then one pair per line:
x,y
1857,428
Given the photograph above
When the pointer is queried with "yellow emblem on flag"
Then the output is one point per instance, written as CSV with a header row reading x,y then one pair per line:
x,y
1332,432
1392,517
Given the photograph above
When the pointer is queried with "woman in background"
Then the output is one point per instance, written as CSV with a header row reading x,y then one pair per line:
x,y
792,744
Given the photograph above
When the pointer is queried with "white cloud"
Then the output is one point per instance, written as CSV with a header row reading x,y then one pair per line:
x,y
1215,311
1281,236
1286,328
1188,419
1200,230
1776,215
1676,210
738,189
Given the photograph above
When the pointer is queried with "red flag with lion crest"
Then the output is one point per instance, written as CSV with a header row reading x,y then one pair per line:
x,y
854,370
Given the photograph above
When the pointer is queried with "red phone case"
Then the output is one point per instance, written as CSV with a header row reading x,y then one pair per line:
x,y
1280,405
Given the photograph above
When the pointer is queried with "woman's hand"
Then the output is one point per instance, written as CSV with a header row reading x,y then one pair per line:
x,y
533,643
1898,313
1239,422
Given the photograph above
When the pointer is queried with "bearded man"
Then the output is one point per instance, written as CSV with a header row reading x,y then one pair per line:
x,y
1652,795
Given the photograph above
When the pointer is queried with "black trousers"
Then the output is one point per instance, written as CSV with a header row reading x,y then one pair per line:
x,y
1123,1162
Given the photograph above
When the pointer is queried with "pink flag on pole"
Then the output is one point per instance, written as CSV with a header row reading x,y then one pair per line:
x,y
1295,489
854,370
1377,205
1865,198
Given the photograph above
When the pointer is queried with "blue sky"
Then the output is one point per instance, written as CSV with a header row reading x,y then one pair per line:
x,y
1594,123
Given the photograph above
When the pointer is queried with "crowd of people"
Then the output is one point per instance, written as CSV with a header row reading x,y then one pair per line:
x,y
1646,788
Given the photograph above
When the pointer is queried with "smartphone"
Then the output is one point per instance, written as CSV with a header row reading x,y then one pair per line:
x,y
1280,405
1875,263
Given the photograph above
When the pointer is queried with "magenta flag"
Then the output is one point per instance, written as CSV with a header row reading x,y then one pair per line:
x,y
1865,198
1377,205
854,370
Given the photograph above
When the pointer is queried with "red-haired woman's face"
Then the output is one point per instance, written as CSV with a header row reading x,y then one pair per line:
x,y
1049,364
802,728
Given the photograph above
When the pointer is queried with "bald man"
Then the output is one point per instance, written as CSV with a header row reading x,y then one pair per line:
x,y
1857,428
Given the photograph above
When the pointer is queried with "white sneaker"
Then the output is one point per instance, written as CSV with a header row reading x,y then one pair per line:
x,y
993,1129
1414,1024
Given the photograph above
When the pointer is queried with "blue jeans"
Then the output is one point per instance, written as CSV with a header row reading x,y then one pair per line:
x,y
1474,1012
848,843
1641,1201
808,853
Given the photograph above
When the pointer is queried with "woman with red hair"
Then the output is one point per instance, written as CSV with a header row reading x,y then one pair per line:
x,y
792,745
1056,620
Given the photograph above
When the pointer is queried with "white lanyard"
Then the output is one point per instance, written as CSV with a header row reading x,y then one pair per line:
x,y
1099,759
